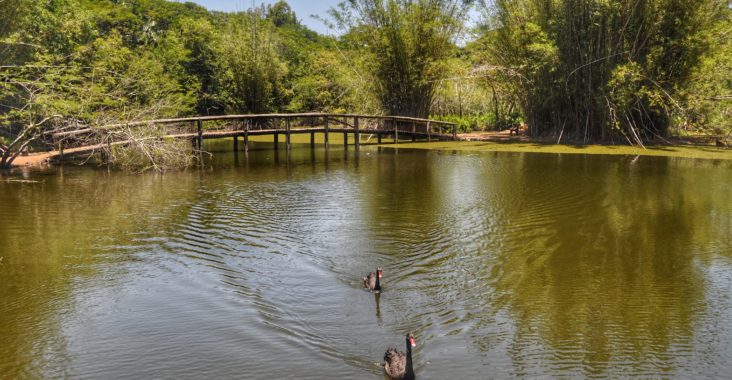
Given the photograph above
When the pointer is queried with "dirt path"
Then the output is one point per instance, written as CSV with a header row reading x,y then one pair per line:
x,y
35,159
491,136
42,158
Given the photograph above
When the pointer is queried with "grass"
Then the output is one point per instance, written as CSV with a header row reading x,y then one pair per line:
x,y
699,152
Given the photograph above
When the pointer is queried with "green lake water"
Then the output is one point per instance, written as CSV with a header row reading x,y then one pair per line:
x,y
503,265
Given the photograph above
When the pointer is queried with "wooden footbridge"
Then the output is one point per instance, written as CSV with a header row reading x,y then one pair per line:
x,y
197,129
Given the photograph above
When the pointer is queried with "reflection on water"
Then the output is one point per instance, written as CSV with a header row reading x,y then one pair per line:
x,y
503,265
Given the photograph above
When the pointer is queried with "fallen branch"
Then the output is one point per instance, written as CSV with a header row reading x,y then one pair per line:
x,y
21,181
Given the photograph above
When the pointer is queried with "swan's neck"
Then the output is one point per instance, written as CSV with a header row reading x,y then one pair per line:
x,y
378,282
409,373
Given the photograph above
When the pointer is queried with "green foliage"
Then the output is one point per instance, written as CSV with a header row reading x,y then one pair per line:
x,y
84,63
472,98
65,73
475,122
409,41
595,69
600,68
250,70
709,95
280,14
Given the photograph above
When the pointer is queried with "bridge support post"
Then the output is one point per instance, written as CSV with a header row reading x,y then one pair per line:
x,y
396,131
414,131
454,132
356,133
378,137
287,134
199,127
345,134
429,135
276,141
246,136
312,140
327,143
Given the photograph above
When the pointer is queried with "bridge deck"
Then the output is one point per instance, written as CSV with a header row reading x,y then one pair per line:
x,y
251,125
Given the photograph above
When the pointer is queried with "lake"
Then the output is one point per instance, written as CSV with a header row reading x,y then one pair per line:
x,y
503,265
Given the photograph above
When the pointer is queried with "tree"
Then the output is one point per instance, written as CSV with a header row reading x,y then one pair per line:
x,y
709,95
250,69
23,114
74,78
408,41
596,69
470,97
281,14
199,37
8,22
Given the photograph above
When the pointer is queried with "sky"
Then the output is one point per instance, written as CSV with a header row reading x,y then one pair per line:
x,y
303,9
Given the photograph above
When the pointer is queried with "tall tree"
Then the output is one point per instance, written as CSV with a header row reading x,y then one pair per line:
x,y
409,41
251,70
71,77
709,96
599,69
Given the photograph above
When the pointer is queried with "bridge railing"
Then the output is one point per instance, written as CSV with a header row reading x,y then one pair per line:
x,y
225,125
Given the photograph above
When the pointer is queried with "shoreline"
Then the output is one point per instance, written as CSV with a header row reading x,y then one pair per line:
x,y
686,151
504,142
34,159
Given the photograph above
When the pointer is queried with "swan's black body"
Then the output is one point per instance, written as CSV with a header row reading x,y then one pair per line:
x,y
398,365
373,281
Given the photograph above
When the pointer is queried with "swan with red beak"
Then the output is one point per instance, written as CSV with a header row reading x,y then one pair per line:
x,y
373,281
398,365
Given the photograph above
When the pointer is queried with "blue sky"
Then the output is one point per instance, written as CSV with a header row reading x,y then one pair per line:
x,y
303,9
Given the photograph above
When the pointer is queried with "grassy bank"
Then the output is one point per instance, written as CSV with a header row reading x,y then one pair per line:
x,y
702,152
336,140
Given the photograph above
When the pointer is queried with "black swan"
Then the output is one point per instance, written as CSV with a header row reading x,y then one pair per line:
x,y
373,281
397,365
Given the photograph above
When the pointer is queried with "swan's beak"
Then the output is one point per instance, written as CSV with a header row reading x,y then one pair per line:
x,y
412,342
379,274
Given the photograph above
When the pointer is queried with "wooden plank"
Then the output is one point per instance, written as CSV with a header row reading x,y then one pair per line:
x,y
198,134
243,117
193,137
250,116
